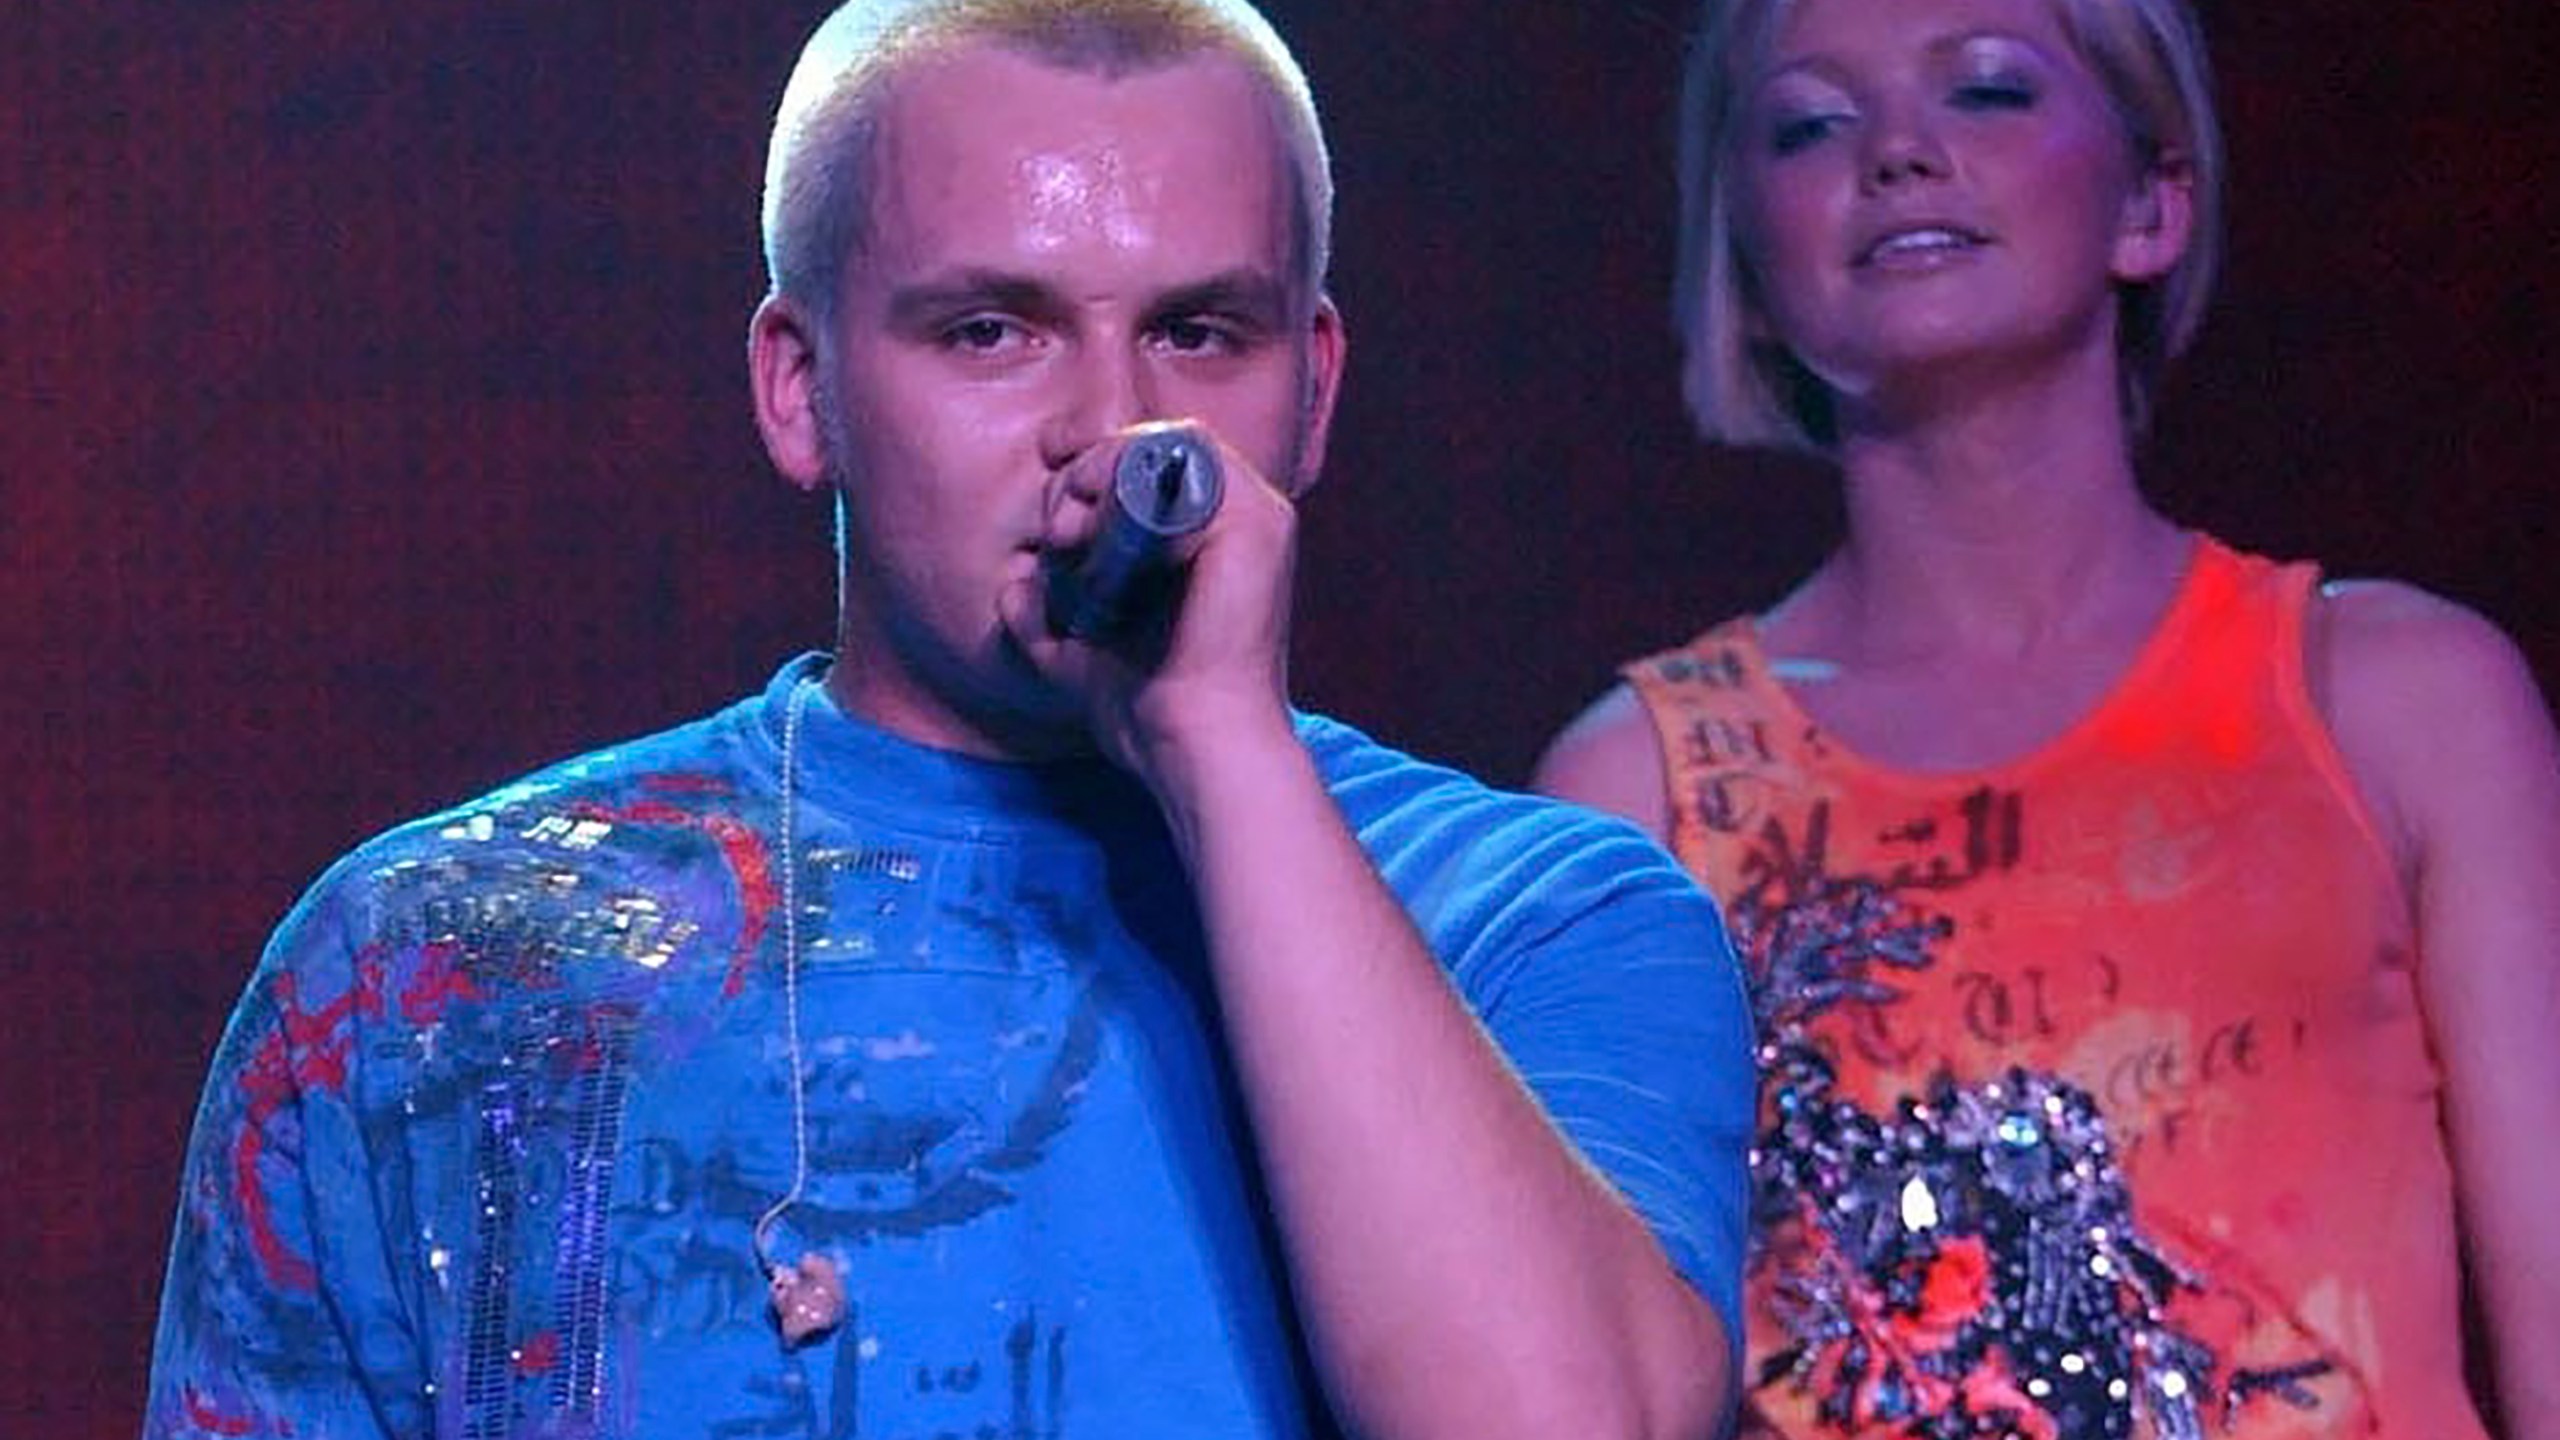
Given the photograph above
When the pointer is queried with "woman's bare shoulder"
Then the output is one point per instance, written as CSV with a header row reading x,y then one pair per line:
x,y
1608,758
2392,655
2429,700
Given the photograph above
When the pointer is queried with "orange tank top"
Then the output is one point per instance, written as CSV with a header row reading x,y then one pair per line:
x,y
2095,1098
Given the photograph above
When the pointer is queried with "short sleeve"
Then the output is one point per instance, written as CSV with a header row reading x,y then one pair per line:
x,y
1601,970
1608,982
276,1315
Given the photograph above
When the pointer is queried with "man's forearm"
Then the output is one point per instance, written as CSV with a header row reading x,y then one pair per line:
x,y
1462,1271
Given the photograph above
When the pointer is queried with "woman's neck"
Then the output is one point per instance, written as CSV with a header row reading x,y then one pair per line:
x,y
1998,529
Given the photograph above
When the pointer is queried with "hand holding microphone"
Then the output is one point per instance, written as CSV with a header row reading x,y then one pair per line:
x,y
1165,488
1159,599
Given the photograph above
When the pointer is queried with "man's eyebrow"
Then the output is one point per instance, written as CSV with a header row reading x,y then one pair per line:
x,y
1245,291
942,296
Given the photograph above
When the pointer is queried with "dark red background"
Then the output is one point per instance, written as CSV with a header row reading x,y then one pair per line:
x,y
372,426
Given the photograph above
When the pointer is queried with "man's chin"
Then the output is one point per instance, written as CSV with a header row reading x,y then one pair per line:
x,y
1028,716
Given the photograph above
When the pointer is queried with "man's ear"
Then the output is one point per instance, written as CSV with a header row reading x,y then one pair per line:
x,y
782,371
1326,344
2158,220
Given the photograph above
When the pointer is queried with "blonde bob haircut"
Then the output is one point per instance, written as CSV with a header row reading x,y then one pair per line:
x,y
1743,388
817,168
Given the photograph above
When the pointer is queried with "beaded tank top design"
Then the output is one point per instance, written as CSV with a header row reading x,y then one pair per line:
x,y
2095,1097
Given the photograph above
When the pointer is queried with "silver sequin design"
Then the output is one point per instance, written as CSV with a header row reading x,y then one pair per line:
x,y
520,918
1967,1265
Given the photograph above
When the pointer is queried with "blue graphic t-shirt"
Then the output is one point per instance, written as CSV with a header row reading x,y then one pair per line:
x,y
487,1138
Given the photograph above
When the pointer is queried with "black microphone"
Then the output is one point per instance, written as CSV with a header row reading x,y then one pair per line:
x,y
1165,488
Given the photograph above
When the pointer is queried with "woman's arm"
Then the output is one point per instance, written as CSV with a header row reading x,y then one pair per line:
x,y
2443,725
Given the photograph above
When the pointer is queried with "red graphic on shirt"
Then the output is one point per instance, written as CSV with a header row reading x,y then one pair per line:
x,y
742,847
306,1053
202,1414
539,1355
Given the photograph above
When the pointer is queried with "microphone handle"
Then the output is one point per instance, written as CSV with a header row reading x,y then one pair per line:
x,y
1165,488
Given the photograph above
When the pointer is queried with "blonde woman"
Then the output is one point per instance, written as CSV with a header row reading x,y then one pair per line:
x,y
2153,944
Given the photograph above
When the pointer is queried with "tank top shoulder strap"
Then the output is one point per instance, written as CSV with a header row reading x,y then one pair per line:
x,y
2227,662
2240,667
1724,726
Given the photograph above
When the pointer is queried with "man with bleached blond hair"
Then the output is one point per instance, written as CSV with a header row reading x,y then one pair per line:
x,y
999,1026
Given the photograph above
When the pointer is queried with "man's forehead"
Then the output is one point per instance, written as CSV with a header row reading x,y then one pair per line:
x,y
1018,95
985,142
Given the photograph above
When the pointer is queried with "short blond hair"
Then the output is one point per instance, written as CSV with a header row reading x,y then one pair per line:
x,y
1743,388
817,167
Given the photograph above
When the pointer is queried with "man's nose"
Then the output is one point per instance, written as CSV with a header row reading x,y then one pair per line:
x,y
1108,388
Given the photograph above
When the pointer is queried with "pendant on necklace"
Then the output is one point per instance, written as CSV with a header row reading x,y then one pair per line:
x,y
808,1298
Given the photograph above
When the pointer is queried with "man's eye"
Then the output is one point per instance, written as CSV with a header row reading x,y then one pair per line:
x,y
1192,335
979,332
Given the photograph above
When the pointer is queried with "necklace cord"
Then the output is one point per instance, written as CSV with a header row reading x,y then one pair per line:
x,y
788,857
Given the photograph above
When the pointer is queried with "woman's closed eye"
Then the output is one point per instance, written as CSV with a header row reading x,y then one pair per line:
x,y
1994,93
1798,129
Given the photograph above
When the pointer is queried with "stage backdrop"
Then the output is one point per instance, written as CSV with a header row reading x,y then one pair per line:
x,y
373,427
